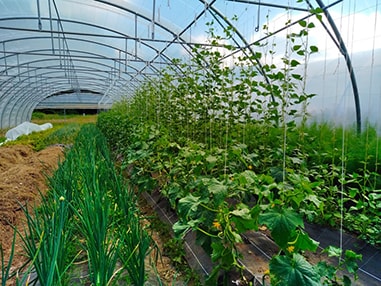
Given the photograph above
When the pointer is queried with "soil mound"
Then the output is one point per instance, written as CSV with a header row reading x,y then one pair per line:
x,y
22,176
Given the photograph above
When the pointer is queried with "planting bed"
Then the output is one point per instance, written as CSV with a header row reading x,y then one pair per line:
x,y
258,248
22,175
21,178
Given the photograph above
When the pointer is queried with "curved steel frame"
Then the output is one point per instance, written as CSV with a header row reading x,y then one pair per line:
x,y
344,52
114,72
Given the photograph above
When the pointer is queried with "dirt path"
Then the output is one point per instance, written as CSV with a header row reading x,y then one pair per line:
x,y
22,176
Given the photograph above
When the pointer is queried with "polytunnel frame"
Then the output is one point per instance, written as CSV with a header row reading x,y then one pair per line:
x,y
63,50
120,61
161,53
59,21
51,67
343,49
339,41
176,39
63,57
336,38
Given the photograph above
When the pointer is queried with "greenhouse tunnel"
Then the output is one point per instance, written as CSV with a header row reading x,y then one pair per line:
x,y
263,98
93,53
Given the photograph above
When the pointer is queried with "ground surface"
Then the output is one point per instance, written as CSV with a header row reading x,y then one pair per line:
x,y
22,176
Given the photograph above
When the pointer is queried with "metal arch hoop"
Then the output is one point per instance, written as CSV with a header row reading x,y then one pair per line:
x,y
344,52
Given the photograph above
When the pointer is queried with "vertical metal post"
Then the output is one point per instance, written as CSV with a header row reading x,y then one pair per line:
x,y
125,56
114,73
5,60
59,43
258,16
153,19
18,67
51,26
39,15
136,36
120,63
28,69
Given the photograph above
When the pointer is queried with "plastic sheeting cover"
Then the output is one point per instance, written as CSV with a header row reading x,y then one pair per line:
x,y
26,128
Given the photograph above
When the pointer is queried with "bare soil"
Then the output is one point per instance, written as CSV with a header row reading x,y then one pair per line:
x,y
22,177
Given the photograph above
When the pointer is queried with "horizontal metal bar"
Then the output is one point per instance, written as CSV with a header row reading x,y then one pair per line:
x,y
270,5
176,41
56,55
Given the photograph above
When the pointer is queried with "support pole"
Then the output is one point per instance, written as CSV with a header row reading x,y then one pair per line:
x,y
39,16
344,52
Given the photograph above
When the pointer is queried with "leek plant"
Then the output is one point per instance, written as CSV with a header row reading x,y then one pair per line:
x,y
135,244
95,219
6,267
47,237
88,214
107,215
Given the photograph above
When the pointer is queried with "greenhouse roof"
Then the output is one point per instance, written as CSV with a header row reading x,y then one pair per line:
x,y
98,51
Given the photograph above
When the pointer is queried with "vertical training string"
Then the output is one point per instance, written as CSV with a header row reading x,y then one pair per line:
x,y
371,77
342,188
285,100
304,83
342,166
370,92
226,141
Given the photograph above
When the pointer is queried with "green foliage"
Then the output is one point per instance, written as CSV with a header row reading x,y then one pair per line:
x,y
35,139
115,125
46,240
39,115
174,249
64,131
348,262
59,115
227,151
293,270
218,195
6,266
282,223
89,213
65,135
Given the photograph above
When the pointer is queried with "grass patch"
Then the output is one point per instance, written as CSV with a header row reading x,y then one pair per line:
x,y
64,131
57,119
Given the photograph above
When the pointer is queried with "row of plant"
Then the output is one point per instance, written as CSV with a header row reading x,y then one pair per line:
x,y
263,106
225,145
217,194
87,229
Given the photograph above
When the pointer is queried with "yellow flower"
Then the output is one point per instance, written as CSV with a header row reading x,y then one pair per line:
x,y
262,227
216,224
250,167
62,198
291,248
